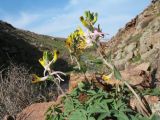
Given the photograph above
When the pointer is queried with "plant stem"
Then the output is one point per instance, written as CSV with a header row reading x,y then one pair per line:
x,y
108,65
79,66
55,80
138,98
59,87
129,87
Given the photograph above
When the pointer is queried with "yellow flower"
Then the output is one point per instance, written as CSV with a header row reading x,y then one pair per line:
x,y
82,44
35,78
84,22
55,57
106,78
42,62
47,60
80,31
69,42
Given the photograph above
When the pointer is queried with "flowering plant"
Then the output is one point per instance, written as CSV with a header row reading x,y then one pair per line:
x,y
48,59
79,41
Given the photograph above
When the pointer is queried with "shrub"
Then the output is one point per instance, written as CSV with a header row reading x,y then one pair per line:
x,y
88,102
17,91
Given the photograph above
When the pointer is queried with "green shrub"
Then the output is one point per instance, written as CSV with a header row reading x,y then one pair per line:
x,y
88,102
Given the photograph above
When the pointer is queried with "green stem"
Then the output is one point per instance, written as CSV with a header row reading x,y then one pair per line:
x,y
136,95
125,82
108,65
79,66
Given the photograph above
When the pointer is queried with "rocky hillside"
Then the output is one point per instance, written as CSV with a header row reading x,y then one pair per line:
x,y
136,43
23,49
139,40
20,46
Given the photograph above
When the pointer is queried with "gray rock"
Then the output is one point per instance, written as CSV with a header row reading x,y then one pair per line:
x,y
136,52
130,47
149,54
122,62
155,25
145,41
118,55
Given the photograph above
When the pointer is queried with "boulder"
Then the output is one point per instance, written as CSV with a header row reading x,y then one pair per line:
x,y
35,111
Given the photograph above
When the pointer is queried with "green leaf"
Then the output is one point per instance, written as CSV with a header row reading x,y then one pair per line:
x,y
74,92
95,18
95,109
80,86
109,57
117,74
91,118
47,56
91,92
58,110
77,115
105,107
68,106
86,13
122,116
57,117
102,116
109,100
155,117
50,78
50,117
97,61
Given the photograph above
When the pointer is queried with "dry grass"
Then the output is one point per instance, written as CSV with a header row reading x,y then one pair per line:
x,y
17,91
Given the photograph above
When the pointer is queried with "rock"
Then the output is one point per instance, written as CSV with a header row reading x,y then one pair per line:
x,y
155,25
118,55
148,54
76,78
129,48
145,42
8,117
153,102
136,52
144,23
133,75
122,44
150,37
143,66
154,1
35,111
122,62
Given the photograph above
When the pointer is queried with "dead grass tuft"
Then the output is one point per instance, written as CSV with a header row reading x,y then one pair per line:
x,y
17,91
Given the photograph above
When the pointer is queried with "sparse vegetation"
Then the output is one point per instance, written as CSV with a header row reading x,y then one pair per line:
x,y
18,45
136,58
17,91
109,95
87,101
135,38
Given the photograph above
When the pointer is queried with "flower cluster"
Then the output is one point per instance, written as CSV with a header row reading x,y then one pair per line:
x,y
76,41
79,40
48,59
